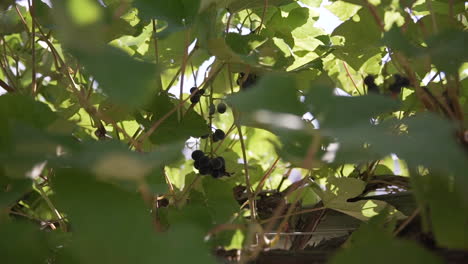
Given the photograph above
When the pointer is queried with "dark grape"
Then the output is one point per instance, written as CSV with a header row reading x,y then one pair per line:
x,y
216,163
369,80
217,173
205,170
196,164
221,108
100,133
398,84
211,109
218,135
222,160
193,89
204,161
401,80
164,202
197,154
201,92
195,99
371,86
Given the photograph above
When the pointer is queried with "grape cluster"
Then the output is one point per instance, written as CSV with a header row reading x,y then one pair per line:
x,y
205,165
198,94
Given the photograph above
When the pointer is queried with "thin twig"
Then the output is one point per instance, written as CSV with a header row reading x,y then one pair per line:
x,y
288,214
375,14
407,221
169,86
22,18
245,20
350,77
228,22
49,203
265,5
33,50
296,213
253,214
156,51
265,176
171,186
5,86
224,227
182,67
187,190
433,17
5,66
285,176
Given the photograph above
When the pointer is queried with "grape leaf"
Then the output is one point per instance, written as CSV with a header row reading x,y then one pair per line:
x,y
339,190
274,93
374,241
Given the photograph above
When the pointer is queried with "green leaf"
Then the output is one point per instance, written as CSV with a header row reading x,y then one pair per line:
x,y
411,147
282,27
358,48
238,5
29,134
125,80
171,130
17,238
344,10
112,160
43,13
335,111
447,50
115,112
312,3
10,22
373,242
443,199
117,214
307,197
441,7
25,109
244,44
340,190
220,199
275,93
397,41
180,13
12,190
170,48
5,4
